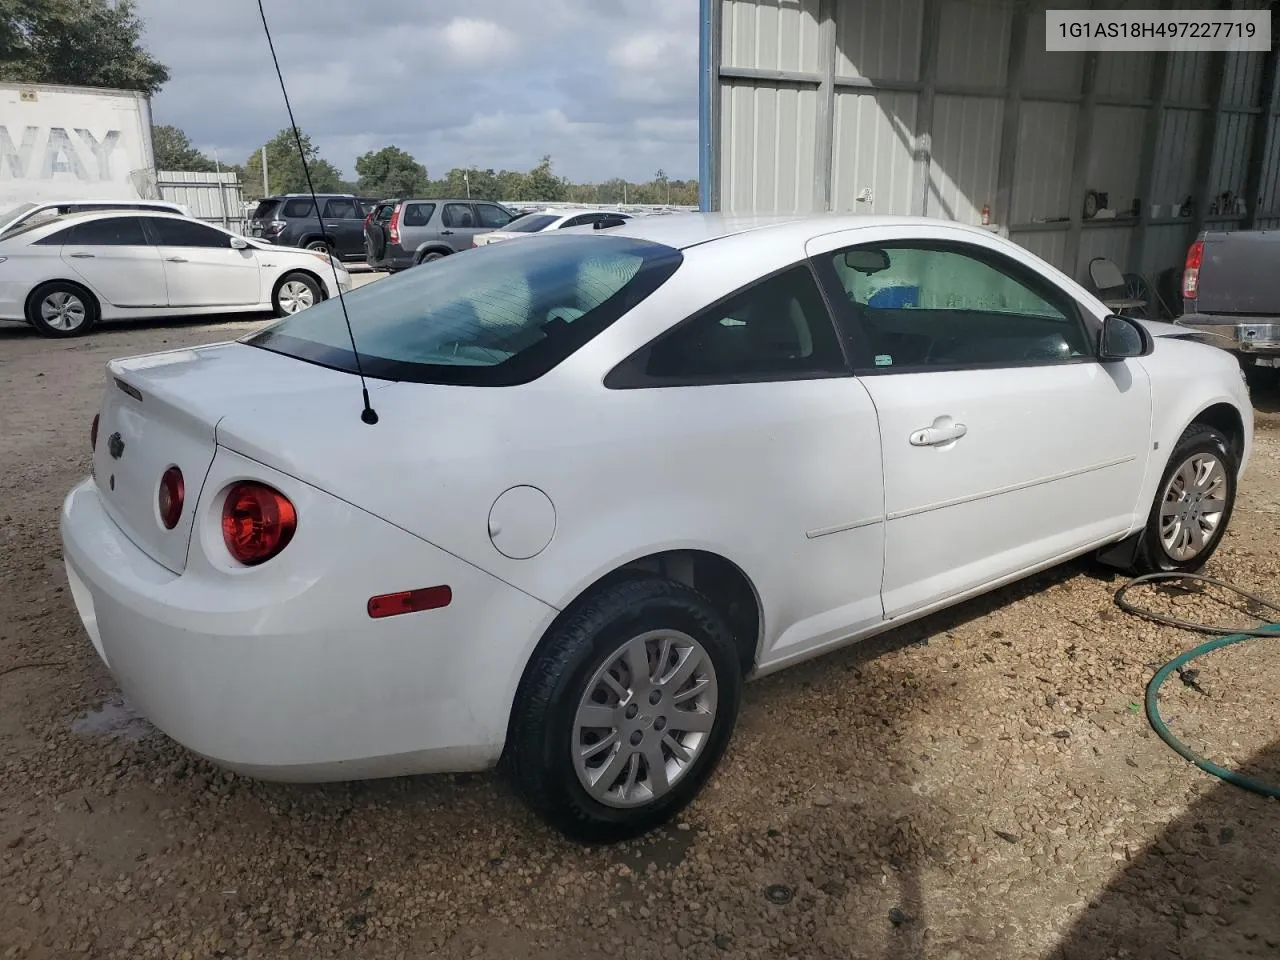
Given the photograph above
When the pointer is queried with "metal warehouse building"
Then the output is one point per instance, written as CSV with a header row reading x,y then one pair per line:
x,y
942,107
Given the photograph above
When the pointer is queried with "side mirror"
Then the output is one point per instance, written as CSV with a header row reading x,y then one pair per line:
x,y
239,243
866,260
1122,338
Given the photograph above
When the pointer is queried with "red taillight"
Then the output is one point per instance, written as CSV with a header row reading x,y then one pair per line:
x,y
393,228
172,493
1191,271
257,522
409,601
93,434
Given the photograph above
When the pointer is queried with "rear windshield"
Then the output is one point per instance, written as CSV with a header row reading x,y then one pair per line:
x,y
532,223
264,209
496,315
13,212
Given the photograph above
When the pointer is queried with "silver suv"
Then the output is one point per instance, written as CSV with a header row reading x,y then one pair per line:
x,y
404,233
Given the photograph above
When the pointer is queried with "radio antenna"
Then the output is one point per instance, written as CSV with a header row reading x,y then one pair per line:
x,y
368,414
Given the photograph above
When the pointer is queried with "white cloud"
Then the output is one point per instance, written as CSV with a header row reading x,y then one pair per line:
x,y
654,51
606,87
478,41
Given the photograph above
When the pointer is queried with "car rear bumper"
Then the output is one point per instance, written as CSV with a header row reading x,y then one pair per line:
x,y
1246,335
282,674
393,258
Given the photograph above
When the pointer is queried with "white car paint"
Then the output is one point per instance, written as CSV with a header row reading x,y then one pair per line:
x,y
149,280
559,217
809,487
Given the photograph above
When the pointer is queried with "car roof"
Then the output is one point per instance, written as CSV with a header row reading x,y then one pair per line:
x,y
684,230
45,227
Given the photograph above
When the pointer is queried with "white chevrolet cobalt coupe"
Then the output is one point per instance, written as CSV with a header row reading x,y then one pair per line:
x,y
602,478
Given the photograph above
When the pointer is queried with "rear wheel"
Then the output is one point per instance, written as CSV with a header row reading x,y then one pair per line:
x,y
320,246
294,293
430,256
624,713
61,309
1193,504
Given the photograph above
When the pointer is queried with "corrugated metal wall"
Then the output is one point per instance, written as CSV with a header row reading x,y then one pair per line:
x,y
943,107
215,197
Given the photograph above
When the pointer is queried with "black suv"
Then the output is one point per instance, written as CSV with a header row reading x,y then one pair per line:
x,y
290,221
404,233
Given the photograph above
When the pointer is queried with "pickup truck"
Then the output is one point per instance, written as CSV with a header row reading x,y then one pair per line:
x,y
1231,294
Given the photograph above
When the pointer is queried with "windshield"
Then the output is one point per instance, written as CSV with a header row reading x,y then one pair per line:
x,y
532,223
496,315
8,216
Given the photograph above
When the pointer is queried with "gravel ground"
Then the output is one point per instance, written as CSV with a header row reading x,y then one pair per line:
x,y
981,784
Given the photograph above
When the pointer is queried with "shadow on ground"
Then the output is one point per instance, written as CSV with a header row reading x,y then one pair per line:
x,y
1208,889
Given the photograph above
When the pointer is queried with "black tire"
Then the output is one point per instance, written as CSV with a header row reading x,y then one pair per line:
x,y
430,256
280,309
542,735
322,246
90,310
1197,440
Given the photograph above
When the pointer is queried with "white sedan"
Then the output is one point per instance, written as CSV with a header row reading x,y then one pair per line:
x,y
540,221
598,480
64,274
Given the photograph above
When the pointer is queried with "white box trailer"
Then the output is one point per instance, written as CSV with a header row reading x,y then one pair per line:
x,y
74,143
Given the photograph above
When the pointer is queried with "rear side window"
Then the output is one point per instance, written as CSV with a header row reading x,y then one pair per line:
x,y
299,208
778,329
342,208
458,215
492,216
417,214
496,316
109,232
186,233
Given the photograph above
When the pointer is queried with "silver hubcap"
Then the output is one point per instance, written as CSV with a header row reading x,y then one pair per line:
x,y
1192,506
296,295
63,311
645,717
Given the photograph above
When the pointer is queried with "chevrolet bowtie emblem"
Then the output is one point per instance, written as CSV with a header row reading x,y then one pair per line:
x,y
115,446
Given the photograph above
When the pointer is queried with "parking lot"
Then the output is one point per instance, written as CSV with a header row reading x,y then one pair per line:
x,y
981,784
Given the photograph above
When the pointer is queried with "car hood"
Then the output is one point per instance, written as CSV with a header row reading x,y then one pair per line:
x,y
1158,328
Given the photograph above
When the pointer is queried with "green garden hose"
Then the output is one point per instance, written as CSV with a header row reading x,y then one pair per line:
x,y
1225,637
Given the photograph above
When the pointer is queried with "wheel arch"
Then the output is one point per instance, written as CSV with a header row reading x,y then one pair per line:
x,y
285,274
431,246
724,583
1225,418
97,301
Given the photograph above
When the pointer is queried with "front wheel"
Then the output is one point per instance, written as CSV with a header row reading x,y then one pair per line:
x,y
294,293
1193,504
622,716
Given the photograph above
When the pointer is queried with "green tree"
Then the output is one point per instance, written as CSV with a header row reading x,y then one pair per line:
x,y
390,172
91,43
541,184
284,168
175,151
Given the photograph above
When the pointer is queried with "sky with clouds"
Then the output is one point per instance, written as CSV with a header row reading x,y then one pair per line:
x,y
608,88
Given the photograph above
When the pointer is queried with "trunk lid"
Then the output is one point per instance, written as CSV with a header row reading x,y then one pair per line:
x,y
1237,273
162,410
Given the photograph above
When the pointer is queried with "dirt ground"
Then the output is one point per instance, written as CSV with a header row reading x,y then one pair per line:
x,y
982,784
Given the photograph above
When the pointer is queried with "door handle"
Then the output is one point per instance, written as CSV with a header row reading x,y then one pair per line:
x,y
937,435
81,256
175,259
446,233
